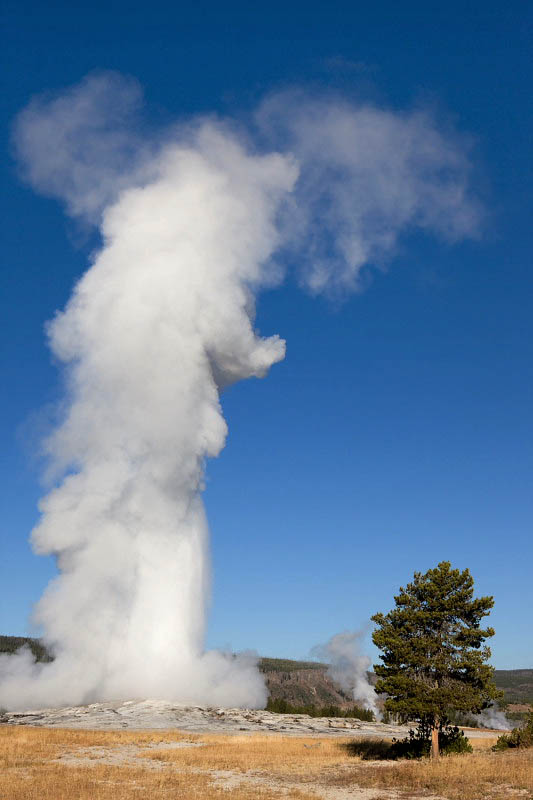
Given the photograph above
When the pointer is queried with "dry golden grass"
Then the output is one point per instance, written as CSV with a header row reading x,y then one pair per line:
x,y
483,744
15,737
34,765
484,775
276,754
29,769
481,775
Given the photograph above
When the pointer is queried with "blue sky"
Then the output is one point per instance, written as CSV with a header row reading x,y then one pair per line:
x,y
397,432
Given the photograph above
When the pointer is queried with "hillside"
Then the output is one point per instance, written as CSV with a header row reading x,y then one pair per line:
x,y
516,683
303,683
306,682
10,644
305,686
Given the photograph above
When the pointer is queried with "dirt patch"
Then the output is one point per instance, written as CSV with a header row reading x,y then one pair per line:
x,y
121,755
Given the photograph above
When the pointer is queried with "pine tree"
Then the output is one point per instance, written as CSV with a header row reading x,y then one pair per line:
x,y
434,661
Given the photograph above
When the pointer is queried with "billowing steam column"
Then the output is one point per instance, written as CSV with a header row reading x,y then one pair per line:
x,y
162,320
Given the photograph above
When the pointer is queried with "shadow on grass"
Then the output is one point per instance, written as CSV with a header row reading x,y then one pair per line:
x,y
372,749
416,745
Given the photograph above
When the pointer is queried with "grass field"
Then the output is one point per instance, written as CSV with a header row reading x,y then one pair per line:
x,y
62,764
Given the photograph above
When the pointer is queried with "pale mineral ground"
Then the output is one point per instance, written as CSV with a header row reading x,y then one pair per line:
x,y
164,715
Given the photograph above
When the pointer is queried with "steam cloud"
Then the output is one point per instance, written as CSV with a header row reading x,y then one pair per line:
x,y
493,718
348,667
194,219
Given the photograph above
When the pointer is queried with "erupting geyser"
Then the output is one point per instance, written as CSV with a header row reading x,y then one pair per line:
x,y
191,219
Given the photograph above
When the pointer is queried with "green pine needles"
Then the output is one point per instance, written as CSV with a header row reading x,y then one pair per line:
x,y
433,653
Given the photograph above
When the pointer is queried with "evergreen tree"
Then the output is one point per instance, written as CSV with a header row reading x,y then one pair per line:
x,y
432,648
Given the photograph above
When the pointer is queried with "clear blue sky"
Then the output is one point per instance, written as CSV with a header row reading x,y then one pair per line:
x,y
397,432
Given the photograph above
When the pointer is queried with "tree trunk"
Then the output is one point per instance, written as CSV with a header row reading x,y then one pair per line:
x,y
435,740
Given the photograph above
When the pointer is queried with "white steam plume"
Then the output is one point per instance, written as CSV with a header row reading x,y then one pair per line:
x,y
191,220
493,718
348,667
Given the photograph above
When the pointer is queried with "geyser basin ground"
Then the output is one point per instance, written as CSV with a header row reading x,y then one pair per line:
x,y
163,715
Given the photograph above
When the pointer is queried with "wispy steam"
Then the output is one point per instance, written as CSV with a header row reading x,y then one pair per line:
x,y
84,145
493,718
367,176
193,220
348,666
